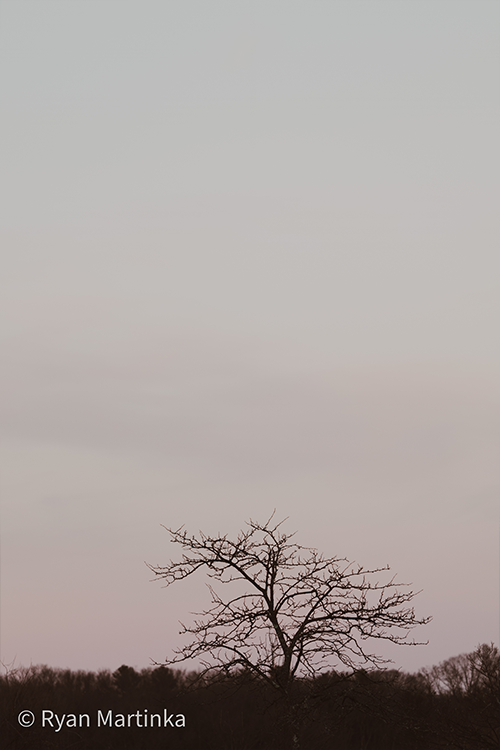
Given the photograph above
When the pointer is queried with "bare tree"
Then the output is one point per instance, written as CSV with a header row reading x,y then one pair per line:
x,y
468,712
291,611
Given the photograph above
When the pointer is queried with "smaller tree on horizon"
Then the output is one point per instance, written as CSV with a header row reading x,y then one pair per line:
x,y
292,611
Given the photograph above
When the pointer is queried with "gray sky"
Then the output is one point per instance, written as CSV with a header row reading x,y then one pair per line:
x,y
250,261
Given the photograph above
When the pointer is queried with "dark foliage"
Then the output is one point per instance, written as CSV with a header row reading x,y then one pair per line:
x,y
455,705
282,613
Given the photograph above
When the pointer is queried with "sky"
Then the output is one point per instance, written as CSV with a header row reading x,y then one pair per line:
x,y
249,262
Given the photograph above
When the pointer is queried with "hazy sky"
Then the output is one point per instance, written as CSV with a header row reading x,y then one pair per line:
x,y
250,260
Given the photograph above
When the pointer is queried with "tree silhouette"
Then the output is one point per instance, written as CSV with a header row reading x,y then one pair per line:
x,y
468,688
292,612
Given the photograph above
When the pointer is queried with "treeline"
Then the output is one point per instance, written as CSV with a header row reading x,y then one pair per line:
x,y
454,705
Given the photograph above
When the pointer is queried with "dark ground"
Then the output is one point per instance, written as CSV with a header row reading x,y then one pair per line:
x,y
455,705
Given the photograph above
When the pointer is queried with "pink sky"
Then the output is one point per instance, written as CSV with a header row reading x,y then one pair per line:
x,y
250,261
